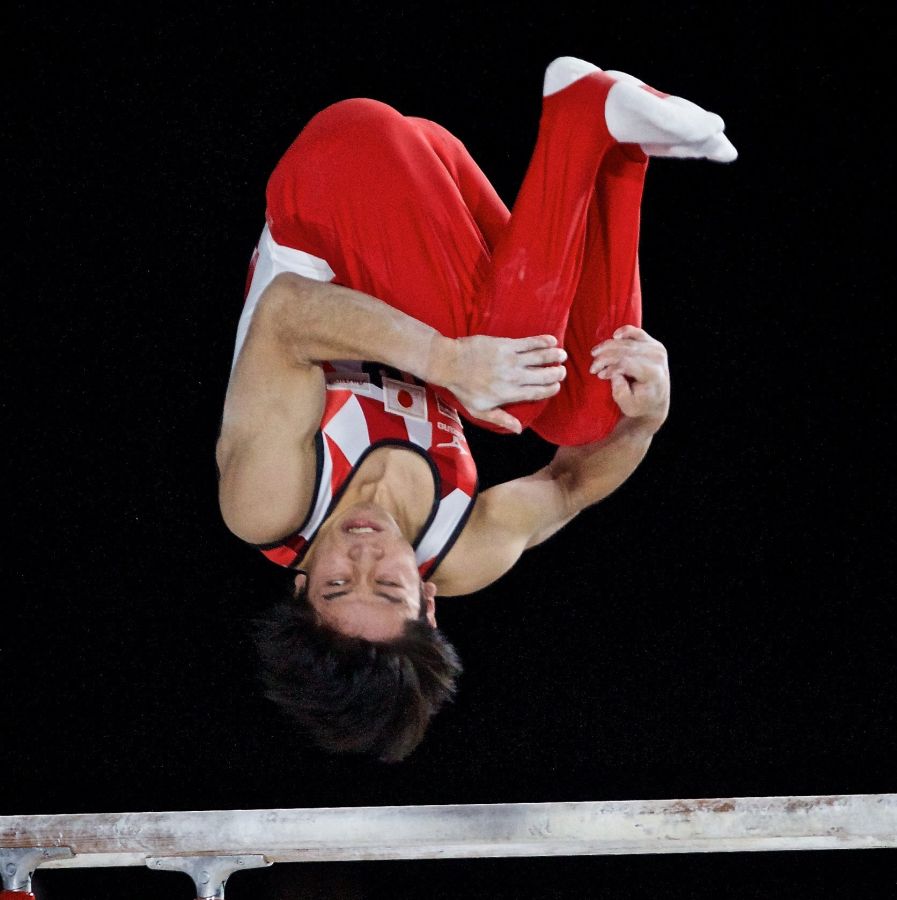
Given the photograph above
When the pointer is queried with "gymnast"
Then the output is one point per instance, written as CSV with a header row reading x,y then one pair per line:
x,y
391,298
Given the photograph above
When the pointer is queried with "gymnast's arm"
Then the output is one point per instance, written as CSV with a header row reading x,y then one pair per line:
x,y
517,515
275,398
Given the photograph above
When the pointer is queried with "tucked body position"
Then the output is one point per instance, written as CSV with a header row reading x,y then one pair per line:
x,y
393,297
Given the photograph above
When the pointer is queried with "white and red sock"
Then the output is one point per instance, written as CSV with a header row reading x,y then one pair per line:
x,y
661,124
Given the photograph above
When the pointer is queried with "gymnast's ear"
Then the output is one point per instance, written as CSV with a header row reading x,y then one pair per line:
x,y
301,581
429,597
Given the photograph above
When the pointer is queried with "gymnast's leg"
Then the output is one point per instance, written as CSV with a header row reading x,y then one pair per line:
x,y
567,261
398,209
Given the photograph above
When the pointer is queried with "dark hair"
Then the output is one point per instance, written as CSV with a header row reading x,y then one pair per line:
x,y
353,695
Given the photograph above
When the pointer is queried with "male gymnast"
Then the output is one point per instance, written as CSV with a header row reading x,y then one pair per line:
x,y
391,296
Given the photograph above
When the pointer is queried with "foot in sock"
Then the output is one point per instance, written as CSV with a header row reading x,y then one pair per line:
x,y
717,147
662,125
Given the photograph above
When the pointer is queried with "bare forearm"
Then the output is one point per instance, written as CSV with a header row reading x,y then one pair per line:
x,y
590,472
320,321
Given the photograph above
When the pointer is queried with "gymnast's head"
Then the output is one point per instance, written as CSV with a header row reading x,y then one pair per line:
x,y
361,576
354,653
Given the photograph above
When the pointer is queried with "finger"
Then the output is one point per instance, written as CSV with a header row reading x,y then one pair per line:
x,y
633,332
620,390
619,351
535,392
603,359
547,357
539,342
641,345
609,356
502,419
628,335
544,375
615,345
632,368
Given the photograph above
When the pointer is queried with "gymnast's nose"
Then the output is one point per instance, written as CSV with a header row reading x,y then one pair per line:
x,y
359,550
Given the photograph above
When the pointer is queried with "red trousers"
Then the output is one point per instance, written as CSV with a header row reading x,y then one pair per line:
x,y
400,210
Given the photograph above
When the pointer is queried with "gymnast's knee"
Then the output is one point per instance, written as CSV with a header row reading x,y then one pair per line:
x,y
357,116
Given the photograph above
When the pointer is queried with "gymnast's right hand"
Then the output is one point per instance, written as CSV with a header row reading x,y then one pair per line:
x,y
485,373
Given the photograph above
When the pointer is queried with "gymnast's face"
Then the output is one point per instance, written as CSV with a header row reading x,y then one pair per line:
x,y
362,576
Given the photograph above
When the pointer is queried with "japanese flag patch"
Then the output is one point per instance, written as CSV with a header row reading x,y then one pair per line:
x,y
404,399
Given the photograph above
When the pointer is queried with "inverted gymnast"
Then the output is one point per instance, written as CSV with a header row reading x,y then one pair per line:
x,y
392,295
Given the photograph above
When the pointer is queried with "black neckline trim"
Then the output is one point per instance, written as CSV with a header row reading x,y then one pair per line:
x,y
453,537
334,500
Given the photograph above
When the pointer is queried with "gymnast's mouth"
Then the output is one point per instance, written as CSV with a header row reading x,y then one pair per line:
x,y
361,526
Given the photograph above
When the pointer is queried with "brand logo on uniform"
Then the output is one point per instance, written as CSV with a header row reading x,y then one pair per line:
x,y
360,382
447,411
457,436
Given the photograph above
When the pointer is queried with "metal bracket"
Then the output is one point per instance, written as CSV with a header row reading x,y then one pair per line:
x,y
208,872
17,865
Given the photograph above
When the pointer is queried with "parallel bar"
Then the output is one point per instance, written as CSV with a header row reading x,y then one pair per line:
x,y
846,821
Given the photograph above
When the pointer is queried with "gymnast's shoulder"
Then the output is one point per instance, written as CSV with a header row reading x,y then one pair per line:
x,y
506,520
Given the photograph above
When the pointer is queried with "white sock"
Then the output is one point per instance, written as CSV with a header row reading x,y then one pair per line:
x,y
635,114
717,147
563,71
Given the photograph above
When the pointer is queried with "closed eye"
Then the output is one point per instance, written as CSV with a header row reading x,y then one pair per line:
x,y
390,597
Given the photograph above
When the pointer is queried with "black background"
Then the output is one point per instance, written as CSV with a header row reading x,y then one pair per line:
x,y
720,626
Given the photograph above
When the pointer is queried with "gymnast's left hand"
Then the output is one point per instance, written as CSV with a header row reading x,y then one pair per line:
x,y
636,366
